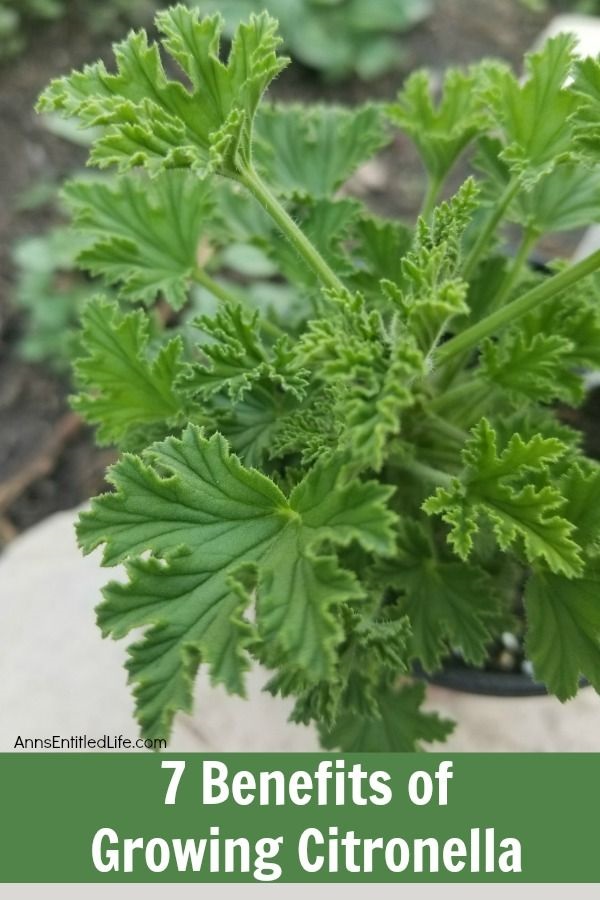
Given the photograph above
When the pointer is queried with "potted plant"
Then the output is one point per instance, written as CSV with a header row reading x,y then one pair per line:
x,y
349,463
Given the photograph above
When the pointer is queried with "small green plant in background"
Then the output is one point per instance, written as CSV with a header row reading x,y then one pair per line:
x,y
13,13
18,16
336,37
352,464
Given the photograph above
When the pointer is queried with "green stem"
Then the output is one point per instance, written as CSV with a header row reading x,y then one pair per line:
x,y
465,403
217,290
487,232
530,238
429,201
426,473
442,426
295,235
519,307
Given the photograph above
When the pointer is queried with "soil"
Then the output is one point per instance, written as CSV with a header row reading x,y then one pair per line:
x,y
47,460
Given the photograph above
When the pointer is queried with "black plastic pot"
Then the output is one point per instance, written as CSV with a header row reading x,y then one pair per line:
x,y
482,681
457,677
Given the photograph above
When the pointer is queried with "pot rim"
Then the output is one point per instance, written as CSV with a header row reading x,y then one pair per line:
x,y
468,680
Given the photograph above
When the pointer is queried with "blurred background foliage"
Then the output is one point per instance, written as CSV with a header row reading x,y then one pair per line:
x,y
336,37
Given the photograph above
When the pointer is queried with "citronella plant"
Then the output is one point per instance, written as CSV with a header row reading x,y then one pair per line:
x,y
358,466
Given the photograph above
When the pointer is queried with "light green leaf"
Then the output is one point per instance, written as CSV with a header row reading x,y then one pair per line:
x,y
431,292
122,386
315,149
369,371
144,234
565,198
534,114
397,725
214,530
147,119
239,358
490,488
586,119
380,247
575,317
441,132
581,487
537,368
563,638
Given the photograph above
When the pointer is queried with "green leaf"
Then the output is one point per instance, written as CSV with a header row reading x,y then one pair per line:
x,y
144,235
490,488
380,247
565,198
575,317
581,487
239,358
448,604
431,292
214,530
563,638
122,386
397,726
147,119
251,424
534,114
369,370
310,430
586,119
441,132
315,149
373,652
537,368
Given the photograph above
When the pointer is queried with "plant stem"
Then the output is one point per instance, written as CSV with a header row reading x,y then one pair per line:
x,y
294,234
430,199
216,289
519,307
426,473
487,232
530,237
465,402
